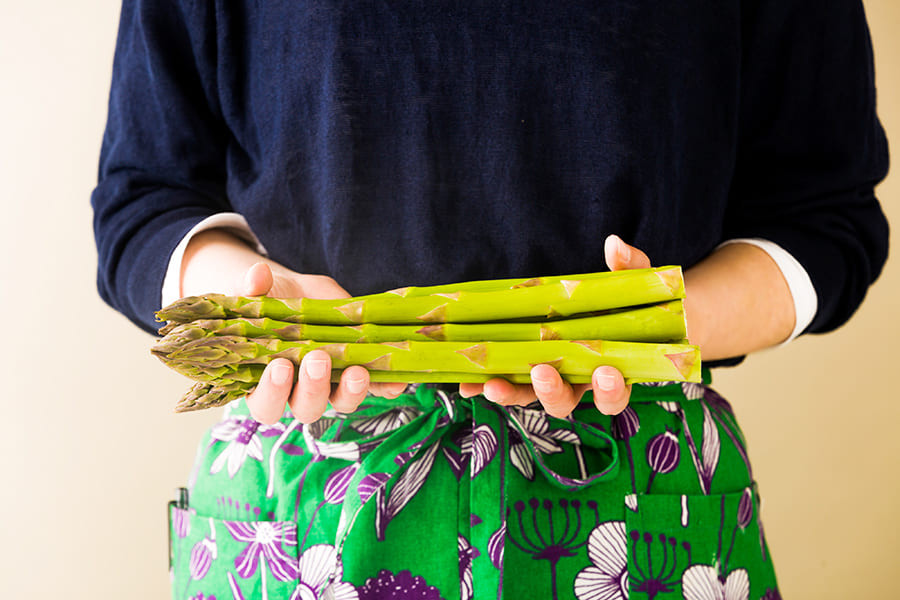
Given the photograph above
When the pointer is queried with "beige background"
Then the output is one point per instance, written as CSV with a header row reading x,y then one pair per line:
x,y
90,450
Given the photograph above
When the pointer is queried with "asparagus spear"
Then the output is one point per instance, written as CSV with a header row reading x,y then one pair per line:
x,y
563,297
204,394
215,357
662,322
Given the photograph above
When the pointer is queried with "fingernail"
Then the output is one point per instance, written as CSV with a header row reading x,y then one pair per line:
x,y
541,385
607,383
317,369
355,386
281,374
624,250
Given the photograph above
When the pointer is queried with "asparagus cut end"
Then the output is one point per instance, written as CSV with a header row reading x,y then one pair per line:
x,y
672,279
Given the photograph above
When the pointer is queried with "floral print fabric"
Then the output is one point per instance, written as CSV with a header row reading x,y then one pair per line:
x,y
436,496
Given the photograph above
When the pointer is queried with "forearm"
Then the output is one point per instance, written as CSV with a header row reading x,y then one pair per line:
x,y
737,302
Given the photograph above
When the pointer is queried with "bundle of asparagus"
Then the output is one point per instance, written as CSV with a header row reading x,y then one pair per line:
x,y
467,332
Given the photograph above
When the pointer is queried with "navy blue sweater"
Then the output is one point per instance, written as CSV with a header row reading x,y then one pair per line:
x,y
397,143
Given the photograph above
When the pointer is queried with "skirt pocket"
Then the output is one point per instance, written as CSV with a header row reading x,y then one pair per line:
x,y
242,559
697,547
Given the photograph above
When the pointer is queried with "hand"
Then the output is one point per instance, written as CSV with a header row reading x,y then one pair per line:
x,y
556,396
310,395
210,263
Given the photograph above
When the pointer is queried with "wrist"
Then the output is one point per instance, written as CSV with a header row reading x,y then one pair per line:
x,y
737,301
215,260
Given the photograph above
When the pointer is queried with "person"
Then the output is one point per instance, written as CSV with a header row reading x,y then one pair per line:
x,y
326,149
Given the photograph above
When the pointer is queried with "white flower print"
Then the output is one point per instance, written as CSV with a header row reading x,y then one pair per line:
x,y
466,554
702,582
607,577
243,437
536,426
317,565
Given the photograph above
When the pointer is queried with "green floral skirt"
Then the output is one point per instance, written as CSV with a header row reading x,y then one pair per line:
x,y
436,496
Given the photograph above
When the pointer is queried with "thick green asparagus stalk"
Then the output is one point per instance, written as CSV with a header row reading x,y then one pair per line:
x,y
195,307
208,395
661,323
563,297
216,357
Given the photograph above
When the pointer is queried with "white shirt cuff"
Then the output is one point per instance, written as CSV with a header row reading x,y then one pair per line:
x,y
806,302
233,222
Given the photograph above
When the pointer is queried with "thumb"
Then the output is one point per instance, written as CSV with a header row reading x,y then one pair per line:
x,y
257,280
620,256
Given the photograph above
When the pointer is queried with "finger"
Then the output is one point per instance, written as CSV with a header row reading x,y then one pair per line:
x,y
257,280
309,399
322,287
468,390
556,396
503,392
620,255
387,389
267,401
351,390
610,392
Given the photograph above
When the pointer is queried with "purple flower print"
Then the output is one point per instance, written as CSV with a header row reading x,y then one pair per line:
x,y
710,448
663,454
771,594
654,577
625,424
202,556
407,485
693,391
319,565
387,421
265,541
484,448
536,425
337,483
715,582
549,542
371,483
607,577
181,521
467,554
242,436
201,596
706,458
745,509
702,582
335,490
400,586
496,544
322,450
722,413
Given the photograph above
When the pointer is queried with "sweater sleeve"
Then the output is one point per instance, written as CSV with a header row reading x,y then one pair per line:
x,y
811,148
162,161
